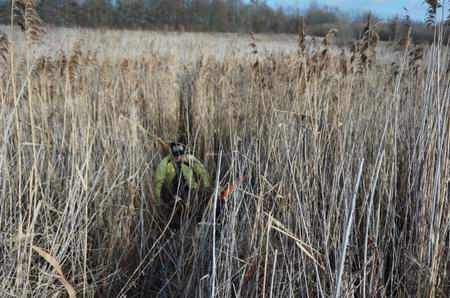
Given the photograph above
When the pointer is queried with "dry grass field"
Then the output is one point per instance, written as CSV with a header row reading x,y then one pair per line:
x,y
348,154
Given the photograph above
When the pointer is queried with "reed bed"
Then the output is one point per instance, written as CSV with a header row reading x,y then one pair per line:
x,y
347,154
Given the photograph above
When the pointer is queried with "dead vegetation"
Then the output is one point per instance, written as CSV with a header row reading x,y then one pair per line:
x,y
349,171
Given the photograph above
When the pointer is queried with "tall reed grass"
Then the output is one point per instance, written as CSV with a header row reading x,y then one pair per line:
x,y
348,158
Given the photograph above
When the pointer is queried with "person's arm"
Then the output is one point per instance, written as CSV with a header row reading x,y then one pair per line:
x,y
159,178
201,172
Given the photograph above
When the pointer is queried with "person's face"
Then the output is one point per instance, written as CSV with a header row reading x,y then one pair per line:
x,y
178,158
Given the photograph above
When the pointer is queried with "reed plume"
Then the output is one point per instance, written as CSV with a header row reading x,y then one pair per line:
x,y
91,57
393,28
125,66
415,56
366,47
74,66
329,37
432,8
353,51
301,35
27,18
62,62
343,63
370,36
253,50
4,47
19,9
405,33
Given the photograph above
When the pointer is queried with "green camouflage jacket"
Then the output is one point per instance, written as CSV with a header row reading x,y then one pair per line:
x,y
191,169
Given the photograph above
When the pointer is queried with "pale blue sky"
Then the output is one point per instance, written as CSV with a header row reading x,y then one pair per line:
x,y
384,8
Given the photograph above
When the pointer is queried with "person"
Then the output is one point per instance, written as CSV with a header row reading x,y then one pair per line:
x,y
178,177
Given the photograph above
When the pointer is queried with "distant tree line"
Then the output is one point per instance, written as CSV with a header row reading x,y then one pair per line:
x,y
206,16
189,15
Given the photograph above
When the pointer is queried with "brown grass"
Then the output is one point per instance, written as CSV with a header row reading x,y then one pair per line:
x,y
348,171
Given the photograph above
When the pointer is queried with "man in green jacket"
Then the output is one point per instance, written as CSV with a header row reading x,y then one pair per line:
x,y
178,175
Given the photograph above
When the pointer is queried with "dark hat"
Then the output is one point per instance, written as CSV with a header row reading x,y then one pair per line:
x,y
177,149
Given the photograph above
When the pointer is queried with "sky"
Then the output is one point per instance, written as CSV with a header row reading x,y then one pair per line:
x,y
383,8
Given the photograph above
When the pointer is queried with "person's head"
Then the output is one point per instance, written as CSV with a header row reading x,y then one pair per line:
x,y
177,150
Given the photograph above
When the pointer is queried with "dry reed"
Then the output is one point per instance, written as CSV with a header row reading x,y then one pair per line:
x,y
347,189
